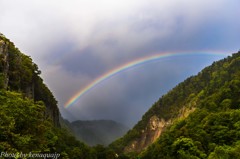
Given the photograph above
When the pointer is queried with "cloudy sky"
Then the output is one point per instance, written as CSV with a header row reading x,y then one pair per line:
x,y
76,41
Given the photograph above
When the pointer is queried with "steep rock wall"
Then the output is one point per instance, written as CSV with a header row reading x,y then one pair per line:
x,y
154,129
30,84
4,63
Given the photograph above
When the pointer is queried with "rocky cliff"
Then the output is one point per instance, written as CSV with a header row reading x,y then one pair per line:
x,y
4,62
154,129
176,105
19,73
207,123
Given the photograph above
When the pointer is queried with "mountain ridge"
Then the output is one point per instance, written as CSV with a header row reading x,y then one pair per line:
x,y
29,115
94,132
199,118
179,103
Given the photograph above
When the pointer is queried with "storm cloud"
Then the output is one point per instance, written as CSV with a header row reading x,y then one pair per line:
x,y
74,42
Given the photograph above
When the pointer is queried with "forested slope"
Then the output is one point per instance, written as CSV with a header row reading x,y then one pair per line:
x,y
19,73
199,118
213,129
29,116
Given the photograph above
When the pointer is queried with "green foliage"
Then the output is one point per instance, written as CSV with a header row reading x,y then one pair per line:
x,y
28,108
211,131
24,128
24,76
211,128
104,153
18,118
201,135
226,152
185,148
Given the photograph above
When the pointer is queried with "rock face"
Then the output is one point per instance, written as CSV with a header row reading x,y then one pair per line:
x,y
19,73
153,131
4,62
148,135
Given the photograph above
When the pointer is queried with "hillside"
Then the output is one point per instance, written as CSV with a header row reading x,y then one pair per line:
x,y
29,116
198,118
19,73
96,132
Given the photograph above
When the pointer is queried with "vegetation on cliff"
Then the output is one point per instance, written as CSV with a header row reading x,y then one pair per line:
x,y
29,116
19,73
212,130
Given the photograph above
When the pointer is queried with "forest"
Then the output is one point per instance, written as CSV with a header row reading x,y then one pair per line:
x,y
212,130
29,115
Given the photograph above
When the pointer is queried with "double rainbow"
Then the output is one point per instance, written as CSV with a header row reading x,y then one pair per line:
x,y
123,68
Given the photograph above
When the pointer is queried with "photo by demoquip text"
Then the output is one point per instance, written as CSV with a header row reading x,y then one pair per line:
x,y
30,155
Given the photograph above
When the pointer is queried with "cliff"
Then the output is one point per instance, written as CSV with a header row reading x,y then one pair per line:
x,y
211,88
4,63
211,129
29,116
153,130
19,73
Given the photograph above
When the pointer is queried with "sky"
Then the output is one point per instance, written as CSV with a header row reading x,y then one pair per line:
x,y
75,42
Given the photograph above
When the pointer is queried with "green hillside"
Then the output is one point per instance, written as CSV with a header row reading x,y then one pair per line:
x,y
211,127
29,116
19,73
199,118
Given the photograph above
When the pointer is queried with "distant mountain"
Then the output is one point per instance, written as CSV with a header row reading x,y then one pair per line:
x,y
95,132
199,118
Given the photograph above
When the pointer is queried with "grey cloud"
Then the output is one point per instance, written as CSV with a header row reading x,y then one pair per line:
x,y
74,42
86,62
127,96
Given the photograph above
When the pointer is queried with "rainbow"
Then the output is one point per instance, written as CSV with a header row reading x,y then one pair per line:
x,y
122,68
